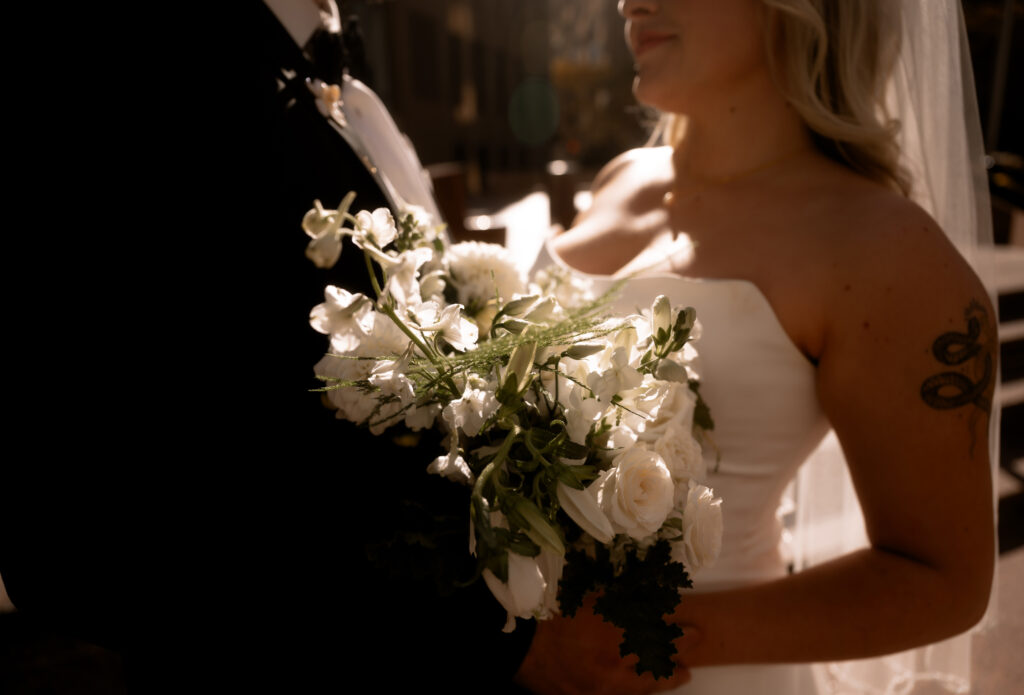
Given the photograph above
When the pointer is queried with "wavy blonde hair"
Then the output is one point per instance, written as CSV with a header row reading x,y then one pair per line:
x,y
833,59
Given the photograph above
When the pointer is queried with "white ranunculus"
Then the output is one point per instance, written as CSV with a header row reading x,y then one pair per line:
x,y
702,529
343,315
471,410
582,507
378,227
677,407
523,594
637,492
617,377
478,270
682,454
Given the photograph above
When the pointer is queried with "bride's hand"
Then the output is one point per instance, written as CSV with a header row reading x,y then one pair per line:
x,y
580,655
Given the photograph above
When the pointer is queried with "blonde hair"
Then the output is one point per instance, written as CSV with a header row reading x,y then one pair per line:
x,y
832,60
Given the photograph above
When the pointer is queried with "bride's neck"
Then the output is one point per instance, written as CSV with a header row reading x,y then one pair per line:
x,y
740,133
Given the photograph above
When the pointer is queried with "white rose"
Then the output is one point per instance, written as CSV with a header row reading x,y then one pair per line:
x,y
702,529
637,492
523,594
682,454
677,407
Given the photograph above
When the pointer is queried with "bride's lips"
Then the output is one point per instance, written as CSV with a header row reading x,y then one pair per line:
x,y
644,41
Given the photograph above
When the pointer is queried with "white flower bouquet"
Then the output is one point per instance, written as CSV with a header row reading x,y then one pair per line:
x,y
577,435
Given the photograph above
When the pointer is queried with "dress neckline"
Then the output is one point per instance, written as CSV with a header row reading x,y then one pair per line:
x,y
674,277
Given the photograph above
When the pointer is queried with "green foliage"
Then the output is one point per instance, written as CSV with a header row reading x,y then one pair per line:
x,y
635,598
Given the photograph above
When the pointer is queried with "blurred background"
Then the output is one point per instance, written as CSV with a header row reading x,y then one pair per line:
x,y
513,106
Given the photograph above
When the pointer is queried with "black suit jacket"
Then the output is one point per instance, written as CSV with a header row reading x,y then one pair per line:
x,y
179,494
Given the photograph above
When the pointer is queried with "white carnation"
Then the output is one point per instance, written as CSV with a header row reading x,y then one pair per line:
x,y
478,270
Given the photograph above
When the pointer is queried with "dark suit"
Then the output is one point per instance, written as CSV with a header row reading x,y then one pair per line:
x,y
183,498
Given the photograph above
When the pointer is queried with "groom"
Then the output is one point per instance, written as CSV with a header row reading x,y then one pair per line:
x,y
351,564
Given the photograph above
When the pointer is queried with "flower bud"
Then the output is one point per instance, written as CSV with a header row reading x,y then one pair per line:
x,y
520,367
661,319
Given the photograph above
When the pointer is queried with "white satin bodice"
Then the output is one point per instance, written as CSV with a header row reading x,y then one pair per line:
x,y
761,392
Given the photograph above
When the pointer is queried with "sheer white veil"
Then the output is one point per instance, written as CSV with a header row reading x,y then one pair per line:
x,y
932,95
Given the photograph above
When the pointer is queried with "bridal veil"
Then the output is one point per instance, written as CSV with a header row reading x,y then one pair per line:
x,y
932,96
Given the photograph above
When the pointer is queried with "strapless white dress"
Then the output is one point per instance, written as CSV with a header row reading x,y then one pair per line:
x,y
761,391
768,423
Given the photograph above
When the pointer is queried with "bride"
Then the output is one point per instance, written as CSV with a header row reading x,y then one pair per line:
x,y
781,209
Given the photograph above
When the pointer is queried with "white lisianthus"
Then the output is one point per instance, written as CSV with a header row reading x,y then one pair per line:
x,y
619,376
682,454
582,507
523,594
478,270
470,411
458,331
637,492
702,529
377,227
343,316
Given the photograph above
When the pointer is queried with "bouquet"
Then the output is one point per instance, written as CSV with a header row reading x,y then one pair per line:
x,y
576,433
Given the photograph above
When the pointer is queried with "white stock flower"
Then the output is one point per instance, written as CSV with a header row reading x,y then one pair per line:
x,y
478,270
324,229
353,404
460,333
378,227
343,316
523,594
389,377
453,467
581,414
637,492
682,454
702,529
619,376
402,273
471,410
325,249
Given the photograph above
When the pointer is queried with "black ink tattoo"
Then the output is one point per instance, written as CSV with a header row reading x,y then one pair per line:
x,y
955,389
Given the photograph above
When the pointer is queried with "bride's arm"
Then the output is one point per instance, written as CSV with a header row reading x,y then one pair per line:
x,y
906,375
